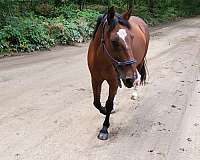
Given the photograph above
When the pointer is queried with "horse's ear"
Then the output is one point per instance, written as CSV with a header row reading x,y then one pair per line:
x,y
126,15
110,14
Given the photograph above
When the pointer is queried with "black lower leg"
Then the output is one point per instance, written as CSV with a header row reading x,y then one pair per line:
x,y
103,135
113,85
109,108
98,105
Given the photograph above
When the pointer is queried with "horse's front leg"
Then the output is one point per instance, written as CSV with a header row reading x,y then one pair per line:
x,y
96,86
113,85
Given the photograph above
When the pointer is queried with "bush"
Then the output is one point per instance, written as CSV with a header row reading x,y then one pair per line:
x,y
32,32
25,34
35,25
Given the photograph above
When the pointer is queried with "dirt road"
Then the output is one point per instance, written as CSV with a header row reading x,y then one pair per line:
x,y
46,110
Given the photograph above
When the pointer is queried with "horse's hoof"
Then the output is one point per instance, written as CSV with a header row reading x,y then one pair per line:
x,y
103,134
134,95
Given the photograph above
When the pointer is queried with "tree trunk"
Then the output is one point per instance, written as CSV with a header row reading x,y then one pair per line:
x,y
130,4
151,6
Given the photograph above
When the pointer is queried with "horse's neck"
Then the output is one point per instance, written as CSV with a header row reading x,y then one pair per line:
x,y
99,50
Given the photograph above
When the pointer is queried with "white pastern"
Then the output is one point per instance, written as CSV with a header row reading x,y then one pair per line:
x,y
134,94
138,80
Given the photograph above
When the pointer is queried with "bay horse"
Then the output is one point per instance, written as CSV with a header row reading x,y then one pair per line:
x,y
116,52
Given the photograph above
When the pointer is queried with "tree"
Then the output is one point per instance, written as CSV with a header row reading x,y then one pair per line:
x,y
151,6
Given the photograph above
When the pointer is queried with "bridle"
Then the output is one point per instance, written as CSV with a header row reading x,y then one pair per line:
x,y
115,62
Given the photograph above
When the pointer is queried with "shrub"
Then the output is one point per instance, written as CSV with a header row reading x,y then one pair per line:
x,y
25,34
32,32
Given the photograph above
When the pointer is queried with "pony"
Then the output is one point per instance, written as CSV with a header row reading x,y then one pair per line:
x,y
116,53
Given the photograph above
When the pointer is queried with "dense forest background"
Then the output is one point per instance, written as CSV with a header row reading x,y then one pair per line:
x,y
29,25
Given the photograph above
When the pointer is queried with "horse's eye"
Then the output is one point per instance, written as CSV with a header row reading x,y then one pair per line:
x,y
115,43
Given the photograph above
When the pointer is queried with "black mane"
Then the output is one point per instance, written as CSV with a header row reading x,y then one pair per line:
x,y
118,19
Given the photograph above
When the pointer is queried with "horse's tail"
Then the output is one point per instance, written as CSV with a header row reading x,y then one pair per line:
x,y
143,72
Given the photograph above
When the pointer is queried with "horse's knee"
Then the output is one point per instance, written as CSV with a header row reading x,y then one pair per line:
x,y
97,104
101,109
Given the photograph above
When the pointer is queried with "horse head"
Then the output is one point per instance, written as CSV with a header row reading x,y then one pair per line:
x,y
118,44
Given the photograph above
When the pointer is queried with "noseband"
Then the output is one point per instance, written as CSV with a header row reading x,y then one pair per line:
x,y
114,61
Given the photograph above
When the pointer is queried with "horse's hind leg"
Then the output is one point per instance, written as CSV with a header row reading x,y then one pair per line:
x,y
113,85
96,86
142,70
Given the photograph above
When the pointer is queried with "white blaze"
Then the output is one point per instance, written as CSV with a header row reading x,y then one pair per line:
x,y
122,34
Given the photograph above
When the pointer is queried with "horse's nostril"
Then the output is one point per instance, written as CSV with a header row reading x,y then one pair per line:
x,y
129,80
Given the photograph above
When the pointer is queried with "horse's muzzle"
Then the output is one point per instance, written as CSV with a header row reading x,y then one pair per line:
x,y
128,82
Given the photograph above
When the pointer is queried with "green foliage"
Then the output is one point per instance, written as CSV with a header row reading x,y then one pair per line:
x,y
76,26
39,24
33,32
45,9
25,34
